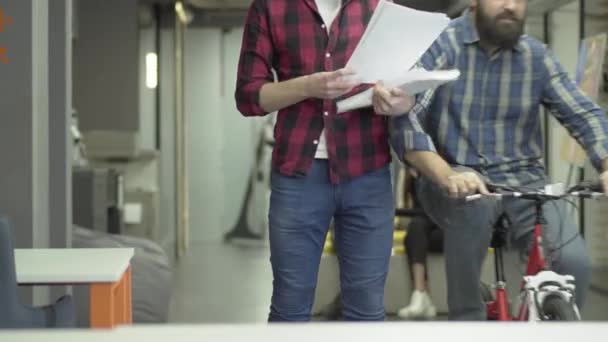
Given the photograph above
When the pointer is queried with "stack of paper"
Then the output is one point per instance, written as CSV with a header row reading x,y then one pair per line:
x,y
412,82
394,40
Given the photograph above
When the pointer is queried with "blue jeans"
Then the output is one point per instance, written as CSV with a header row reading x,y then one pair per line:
x,y
301,209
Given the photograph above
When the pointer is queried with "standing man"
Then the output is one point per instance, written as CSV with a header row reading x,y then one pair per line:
x,y
487,125
325,165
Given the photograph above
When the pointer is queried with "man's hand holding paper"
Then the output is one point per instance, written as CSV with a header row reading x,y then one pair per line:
x,y
390,100
329,85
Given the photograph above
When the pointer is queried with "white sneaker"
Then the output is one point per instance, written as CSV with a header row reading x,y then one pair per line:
x,y
420,306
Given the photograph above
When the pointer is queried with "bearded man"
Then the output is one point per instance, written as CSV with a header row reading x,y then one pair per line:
x,y
486,127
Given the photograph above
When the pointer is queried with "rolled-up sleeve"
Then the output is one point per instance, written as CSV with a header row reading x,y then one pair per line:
x,y
584,120
255,61
406,133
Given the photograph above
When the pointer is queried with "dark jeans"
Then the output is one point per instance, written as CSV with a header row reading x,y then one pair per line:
x,y
301,209
423,236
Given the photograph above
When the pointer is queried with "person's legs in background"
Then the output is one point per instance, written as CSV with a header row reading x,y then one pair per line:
x,y
299,216
422,236
364,235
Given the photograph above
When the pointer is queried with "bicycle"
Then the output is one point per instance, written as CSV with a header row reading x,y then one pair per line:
x,y
545,295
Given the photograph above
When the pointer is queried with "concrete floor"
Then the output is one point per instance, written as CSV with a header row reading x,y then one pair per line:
x,y
226,283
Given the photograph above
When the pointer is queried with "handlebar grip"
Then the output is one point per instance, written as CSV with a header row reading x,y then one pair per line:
x,y
473,197
591,185
591,195
596,187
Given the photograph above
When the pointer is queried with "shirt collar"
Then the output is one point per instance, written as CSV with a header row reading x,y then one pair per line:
x,y
470,34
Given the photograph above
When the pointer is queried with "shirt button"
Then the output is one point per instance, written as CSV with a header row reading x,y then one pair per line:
x,y
327,55
315,142
326,113
322,25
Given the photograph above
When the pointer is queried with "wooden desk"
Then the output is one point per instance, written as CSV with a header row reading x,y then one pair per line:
x,y
106,270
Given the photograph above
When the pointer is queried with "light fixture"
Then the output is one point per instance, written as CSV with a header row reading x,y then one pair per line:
x,y
151,70
184,15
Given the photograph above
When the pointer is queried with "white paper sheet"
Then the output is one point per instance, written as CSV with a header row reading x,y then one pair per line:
x,y
412,82
394,40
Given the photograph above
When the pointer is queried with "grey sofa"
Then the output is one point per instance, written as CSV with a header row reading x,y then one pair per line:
x,y
151,275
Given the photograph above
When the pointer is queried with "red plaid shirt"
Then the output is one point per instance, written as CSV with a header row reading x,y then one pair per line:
x,y
289,36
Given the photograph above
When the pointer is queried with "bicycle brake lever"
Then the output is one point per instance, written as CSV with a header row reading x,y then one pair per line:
x,y
590,185
493,187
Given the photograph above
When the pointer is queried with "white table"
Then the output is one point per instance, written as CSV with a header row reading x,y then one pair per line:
x,y
106,270
330,332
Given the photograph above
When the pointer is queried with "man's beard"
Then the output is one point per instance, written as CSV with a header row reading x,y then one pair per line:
x,y
500,33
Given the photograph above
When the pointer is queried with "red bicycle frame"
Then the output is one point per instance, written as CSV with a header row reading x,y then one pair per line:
x,y
499,308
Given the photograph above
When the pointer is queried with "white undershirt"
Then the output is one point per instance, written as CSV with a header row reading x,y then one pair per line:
x,y
328,9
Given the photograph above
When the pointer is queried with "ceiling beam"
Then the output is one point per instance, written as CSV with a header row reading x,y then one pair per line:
x,y
545,6
220,4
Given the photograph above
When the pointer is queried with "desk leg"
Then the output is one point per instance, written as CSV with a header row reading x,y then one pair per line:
x,y
110,303
102,305
123,298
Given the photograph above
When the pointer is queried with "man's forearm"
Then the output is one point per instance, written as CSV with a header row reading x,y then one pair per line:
x,y
276,96
431,165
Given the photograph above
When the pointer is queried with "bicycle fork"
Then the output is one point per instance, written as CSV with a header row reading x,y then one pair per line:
x,y
540,282
499,308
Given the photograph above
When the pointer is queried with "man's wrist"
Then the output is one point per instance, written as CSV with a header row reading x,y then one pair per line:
x,y
411,104
443,176
302,87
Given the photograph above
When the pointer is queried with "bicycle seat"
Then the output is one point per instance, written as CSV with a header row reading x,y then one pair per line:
x,y
501,230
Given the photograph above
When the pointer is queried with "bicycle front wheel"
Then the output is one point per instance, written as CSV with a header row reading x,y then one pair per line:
x,y
555,308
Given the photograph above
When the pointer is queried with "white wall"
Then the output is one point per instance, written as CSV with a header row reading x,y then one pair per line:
x,y
241,137
222,142
168,199
147,97
565,44
596,220
147,119
203,106
565,33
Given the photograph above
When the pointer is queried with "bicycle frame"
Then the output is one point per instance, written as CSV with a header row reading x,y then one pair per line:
x,y
538,283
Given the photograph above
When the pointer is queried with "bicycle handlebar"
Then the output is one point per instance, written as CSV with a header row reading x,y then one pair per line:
x,y
587,189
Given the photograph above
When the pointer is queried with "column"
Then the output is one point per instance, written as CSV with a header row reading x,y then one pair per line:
x,y
24,125
60,139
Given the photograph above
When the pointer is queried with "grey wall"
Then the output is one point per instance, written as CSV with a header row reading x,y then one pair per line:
x,y
60,109
110,90
24,138
60,141
24,99
106,69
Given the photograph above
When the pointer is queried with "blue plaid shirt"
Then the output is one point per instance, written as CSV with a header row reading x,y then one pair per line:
x,y
489,119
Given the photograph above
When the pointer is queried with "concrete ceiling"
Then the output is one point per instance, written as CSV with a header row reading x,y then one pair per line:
x,y
446,6
229,12
594,7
